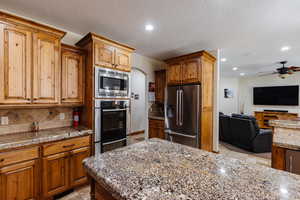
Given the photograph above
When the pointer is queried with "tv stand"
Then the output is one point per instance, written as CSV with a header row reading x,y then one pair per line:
x,y
263,117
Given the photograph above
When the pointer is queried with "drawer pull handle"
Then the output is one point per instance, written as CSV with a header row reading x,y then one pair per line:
x,y
1,160
67,146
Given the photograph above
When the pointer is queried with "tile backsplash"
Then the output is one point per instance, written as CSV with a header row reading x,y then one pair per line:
x,y
20,120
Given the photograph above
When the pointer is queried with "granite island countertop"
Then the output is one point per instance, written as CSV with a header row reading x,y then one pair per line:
x,y
14,140
286,133
160,170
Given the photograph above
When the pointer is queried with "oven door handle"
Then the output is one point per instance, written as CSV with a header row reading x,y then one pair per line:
x,y
114,110
112,142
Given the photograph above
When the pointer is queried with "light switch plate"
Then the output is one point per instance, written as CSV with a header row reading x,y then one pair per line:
x,y
61,116
4,120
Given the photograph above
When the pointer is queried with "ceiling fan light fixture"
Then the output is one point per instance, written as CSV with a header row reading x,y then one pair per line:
x,y
283,76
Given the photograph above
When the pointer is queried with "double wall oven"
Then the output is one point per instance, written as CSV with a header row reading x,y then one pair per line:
x,y
111,109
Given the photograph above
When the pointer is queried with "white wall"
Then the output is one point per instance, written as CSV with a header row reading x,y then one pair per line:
x,y
229,105
246,92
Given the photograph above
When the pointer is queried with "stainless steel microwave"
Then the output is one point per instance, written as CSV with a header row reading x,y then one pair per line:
x,y
111,83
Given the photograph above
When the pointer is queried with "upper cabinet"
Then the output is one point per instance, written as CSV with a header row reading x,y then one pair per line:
x,y
35,71
107,53
46,69
123,60
160,84
104,54
185,71
174,75
73,64
15,64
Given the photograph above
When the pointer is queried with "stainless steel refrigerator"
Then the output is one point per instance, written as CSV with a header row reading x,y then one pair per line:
x,y
182,114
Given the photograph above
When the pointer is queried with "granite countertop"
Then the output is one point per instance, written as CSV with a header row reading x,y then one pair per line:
x,y
28,138
156,117
286,133
159,170
295,124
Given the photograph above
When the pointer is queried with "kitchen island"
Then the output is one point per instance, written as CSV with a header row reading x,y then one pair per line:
x,y
286,145
159,170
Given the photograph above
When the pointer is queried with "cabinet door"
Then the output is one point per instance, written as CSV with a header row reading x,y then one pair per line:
x,y
104,55
72,77
160,84
174,73
15,65
19,181
78,174
55,174
46,70
191,71
123,60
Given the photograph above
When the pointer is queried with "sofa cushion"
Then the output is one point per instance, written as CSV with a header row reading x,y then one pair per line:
x,y
252,118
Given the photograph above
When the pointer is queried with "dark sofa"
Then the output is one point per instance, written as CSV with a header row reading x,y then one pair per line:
x,y
243,131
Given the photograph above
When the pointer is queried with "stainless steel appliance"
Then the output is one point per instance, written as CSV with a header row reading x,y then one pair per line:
x,y
292,162
111,124
182,114
111,83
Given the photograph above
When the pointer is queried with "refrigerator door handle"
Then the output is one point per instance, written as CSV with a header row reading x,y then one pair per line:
x,y
177,107
181,107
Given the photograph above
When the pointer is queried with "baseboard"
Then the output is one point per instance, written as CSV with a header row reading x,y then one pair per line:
x,y
137,132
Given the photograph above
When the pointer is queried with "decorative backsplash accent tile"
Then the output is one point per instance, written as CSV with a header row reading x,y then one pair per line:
x,y
20,120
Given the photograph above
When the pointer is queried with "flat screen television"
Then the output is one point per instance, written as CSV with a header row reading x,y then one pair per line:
x,y
278,95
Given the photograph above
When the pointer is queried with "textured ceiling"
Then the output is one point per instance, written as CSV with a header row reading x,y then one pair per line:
x,y
249,33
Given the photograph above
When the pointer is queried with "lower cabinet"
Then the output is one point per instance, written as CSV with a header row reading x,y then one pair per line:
x,y
42,171
55,174
64,170
156,129
19,181
77,174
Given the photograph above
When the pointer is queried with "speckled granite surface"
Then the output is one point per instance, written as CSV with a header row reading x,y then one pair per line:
x,y
295,124
160,170
28,138
286,134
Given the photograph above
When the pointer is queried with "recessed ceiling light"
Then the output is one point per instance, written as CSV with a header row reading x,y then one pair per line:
x,y
235,68
223,59
285,48
149,27
242,74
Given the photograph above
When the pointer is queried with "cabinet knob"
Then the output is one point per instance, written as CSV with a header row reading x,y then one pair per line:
x,y
28,99
1,160
63,99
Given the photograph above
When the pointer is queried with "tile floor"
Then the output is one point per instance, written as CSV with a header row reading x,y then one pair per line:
x,y
83,193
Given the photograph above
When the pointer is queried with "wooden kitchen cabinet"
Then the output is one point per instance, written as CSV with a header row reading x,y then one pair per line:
x,y
104,55
156,128
62,164
174,73
191,71
55,174
78,175
19,181
160,85
122,60
46,69
15,65
19,171
73,68
29,63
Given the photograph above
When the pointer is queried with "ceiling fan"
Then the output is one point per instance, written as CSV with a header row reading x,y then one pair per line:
x,y
283,72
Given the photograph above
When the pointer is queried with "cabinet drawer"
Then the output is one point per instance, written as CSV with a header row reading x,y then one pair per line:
x,y
11,157
65,145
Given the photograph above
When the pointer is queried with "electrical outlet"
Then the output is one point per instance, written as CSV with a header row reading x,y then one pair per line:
x,y
61,116
4,120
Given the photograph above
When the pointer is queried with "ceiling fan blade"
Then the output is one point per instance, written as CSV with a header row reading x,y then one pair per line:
x,y
266,74
294,68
